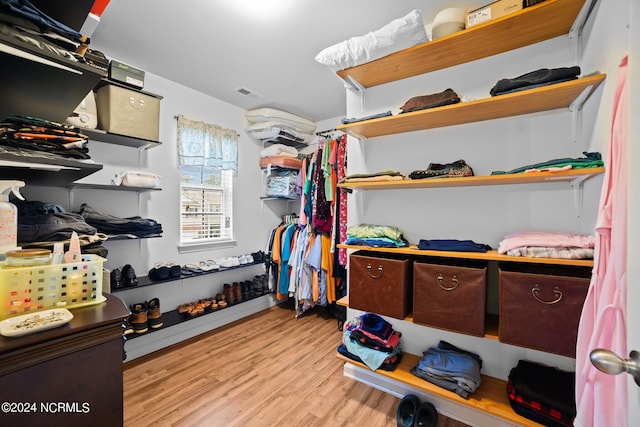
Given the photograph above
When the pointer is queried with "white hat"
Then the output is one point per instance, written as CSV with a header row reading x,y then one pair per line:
x,y
448,21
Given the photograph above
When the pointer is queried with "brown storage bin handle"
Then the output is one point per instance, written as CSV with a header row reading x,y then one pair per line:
x,y
556,290
454,281
373,276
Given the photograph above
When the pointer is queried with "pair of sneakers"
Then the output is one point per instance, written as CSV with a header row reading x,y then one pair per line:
x,y
246,259
228,262
145,315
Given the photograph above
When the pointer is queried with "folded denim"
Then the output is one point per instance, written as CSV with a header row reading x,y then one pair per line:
x,y
537,77
453,370
422,102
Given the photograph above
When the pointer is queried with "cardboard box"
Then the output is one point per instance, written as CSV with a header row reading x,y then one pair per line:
x,y
128,112
492,11
126,74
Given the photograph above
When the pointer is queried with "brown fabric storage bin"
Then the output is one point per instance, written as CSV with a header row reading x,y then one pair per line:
x,y
380,283
451,297
128,112
541,311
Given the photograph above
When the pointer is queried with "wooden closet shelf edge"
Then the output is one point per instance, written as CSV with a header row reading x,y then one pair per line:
x,y
491,255
490,397
535,100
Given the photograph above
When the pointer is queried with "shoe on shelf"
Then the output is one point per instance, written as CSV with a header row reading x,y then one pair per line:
x,y
116,279
246,290
138,318
212,264
256,286
193,268
159,271
185,308
226,262
129,276
264,282
258,256
229,294
154,316
407,409
221,300
459,168
127,329
175,270
237,292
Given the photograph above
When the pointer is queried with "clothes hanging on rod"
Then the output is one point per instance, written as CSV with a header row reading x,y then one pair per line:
x,y
306,264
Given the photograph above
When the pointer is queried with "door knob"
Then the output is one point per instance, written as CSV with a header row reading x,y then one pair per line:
x,y
612,364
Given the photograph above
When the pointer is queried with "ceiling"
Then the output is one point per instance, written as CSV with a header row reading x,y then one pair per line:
x,y
218,46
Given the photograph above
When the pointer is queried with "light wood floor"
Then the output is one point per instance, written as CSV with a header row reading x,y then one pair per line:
x,y
270,369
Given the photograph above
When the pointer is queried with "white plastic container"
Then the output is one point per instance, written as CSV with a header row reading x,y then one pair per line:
x,y
9,216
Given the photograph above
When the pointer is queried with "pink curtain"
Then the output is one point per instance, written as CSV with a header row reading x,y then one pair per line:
x,y
601,399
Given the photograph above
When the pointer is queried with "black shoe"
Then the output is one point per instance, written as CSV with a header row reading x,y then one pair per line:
x,y
159,272
116,279
426,415
258,256
129,276
407,409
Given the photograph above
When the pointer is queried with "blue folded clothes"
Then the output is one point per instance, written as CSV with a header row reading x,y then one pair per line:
x,y
454,370
452,245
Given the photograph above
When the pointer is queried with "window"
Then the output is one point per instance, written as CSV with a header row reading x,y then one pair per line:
x,y
208,158
206,204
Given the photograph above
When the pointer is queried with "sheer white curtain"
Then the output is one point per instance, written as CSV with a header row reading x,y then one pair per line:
x,y
207,145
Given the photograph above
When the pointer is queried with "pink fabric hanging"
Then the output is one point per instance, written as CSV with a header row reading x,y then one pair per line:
x,y
601,399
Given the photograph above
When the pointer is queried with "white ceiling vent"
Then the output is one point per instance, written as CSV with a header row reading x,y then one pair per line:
x,y
248,92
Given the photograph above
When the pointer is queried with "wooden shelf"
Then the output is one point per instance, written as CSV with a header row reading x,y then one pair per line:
x,y
545,98
491,255
546,20
490,397
470,181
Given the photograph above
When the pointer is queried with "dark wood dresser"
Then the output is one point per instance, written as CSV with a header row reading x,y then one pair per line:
x,y
67,376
